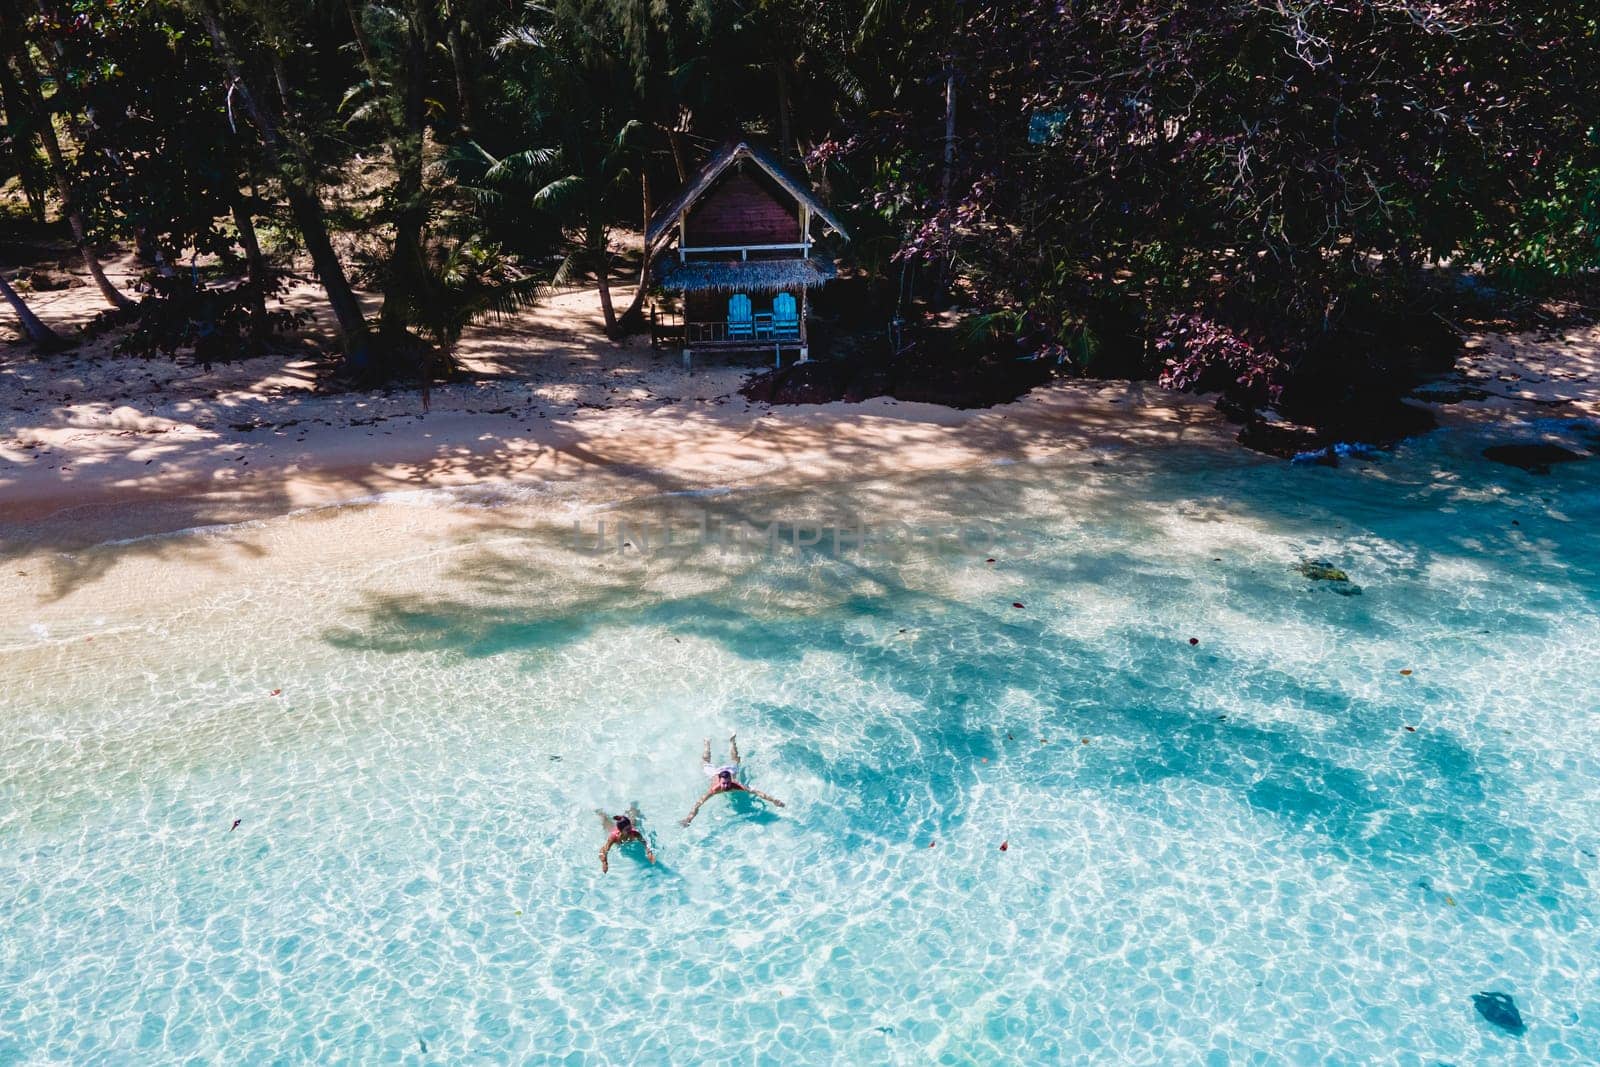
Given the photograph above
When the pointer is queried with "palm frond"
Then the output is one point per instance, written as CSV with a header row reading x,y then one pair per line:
x,y
560,196
525,166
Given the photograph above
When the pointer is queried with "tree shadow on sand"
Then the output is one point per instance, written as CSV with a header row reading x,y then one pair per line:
x,y
1311,771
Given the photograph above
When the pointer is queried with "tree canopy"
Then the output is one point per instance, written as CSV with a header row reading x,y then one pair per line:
x,y
1244,193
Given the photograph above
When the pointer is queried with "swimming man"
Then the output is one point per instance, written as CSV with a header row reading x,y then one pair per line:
x,y
723,780
623,829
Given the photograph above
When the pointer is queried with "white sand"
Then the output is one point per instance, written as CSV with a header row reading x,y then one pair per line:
x,y
102,443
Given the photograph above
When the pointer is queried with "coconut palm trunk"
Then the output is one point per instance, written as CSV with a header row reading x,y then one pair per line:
x,y
32,326
293,168
407,269
28,78
632,317
255,265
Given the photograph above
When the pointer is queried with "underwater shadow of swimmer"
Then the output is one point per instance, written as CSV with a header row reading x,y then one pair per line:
x,y
744,812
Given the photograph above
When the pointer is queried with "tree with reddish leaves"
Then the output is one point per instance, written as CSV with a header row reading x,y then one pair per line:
x,y
1285,170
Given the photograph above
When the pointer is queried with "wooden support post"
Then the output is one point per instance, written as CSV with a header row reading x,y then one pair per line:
x,y
805,349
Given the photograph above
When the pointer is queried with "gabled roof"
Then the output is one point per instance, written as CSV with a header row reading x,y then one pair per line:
x,y
731,152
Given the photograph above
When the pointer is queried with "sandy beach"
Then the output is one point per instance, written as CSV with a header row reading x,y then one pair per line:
x,y
94,444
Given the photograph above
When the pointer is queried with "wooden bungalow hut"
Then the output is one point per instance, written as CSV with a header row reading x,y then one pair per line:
x,y
746,257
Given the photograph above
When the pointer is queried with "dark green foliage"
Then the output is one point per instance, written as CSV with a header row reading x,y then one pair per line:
x,y
1226,193
219,324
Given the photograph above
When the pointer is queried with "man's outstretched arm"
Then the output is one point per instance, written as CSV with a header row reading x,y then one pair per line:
x,y
768,797
687,819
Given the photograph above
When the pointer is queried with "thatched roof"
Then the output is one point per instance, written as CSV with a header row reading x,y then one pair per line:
x,y
666,217
738,276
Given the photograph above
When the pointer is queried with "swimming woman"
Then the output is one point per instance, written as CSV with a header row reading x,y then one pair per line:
x,y
723,780
623,829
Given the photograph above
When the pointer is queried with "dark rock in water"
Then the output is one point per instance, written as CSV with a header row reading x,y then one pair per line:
x,y
1535,459
1501,1010
1278,439
812,382
1319,570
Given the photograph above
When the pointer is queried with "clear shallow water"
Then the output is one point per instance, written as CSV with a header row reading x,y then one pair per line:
x,y
1250,860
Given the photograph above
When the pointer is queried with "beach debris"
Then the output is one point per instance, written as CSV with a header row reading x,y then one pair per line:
x,y
989,560
1086,740
235,825
1005,845
1016,603
1406,671
932,843
1411,729
1450,900
1501,1010
1194,641
277,692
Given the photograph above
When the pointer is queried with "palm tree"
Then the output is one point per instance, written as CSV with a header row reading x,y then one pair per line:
x,y
35,329
589,104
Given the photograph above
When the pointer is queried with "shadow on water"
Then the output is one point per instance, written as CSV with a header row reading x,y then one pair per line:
x,y
1307,775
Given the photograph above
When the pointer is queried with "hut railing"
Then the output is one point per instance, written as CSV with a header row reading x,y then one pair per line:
x,y
761,329
803,247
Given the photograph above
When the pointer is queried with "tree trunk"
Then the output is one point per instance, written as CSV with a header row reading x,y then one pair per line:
x,y
602,272
256,266
360,34
949,134
304,204
58,168
946,180
407,272
675,139
785,133
633,317
32,325
22,160
461,61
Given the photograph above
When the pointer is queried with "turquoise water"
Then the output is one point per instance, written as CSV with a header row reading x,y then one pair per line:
x,y
1225,852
